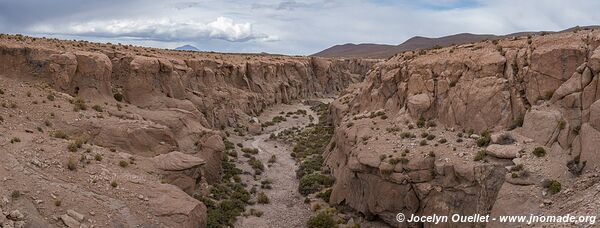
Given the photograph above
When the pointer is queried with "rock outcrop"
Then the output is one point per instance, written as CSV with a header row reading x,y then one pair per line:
x,y
548,84
158,110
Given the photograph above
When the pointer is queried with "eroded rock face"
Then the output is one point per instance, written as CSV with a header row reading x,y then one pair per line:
x,y
166,108
548,84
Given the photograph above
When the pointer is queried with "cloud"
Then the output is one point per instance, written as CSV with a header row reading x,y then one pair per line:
x,y
222,28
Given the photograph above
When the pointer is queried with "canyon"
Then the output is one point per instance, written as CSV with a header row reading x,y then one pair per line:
x,y
111,135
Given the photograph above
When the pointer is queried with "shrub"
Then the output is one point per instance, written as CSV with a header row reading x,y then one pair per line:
x,y
79,104
325,195
548,95
250,150
562,124
114,184
228,144
314,182
273,159
421,122
123,164
118,97
262,198
483,141
480,155
72,147
539,152
430,137
60,134
57,203
15,194
50,97
256,164
423,142
442,140
97,108
72,163
98,157
309,165
321,220
505,139
554,187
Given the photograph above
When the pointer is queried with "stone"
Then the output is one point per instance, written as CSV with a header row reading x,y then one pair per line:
x,y
176,161
503,151
69,222
541,126
75,215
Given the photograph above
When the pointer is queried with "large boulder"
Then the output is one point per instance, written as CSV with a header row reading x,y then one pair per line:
x,y
177,161
181,209
541,125
503,151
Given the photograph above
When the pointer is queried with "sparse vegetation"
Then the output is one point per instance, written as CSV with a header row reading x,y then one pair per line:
x,y
118,97
123,164
539,152
72,163
553,186
79,104
505,139
60,134
97,108
250,150
322,220
314,182
262,198
480,155
485,139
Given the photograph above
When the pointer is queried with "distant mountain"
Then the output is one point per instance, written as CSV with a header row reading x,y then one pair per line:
x,y
384,51
187,48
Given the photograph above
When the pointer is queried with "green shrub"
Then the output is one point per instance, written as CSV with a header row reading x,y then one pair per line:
x,y
423,142
484,140
430,137
554,187
50,97
421,122
309,165
228,144
442,141
250,150
79,104
273,159
480,155
325,195
505,139
123,164
72,163
118,97
539,152
321,220
262,198
256,164
60,134
314,182
97,108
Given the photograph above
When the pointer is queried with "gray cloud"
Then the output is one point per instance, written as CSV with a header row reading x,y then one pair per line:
x,y
160,30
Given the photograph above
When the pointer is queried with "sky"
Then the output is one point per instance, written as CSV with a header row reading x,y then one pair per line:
x,y
293,27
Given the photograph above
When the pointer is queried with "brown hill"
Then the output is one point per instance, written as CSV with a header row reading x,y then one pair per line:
x,y
384,51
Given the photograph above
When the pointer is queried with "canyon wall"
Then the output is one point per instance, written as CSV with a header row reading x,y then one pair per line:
x,y
545,86
166,107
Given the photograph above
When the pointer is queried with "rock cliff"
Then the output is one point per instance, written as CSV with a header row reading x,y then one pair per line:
x,y
542,90
159,110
